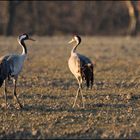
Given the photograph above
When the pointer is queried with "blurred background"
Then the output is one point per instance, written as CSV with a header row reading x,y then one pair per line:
x,y
69,17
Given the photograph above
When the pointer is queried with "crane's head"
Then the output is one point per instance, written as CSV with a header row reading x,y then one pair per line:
x,y
24,36
76,39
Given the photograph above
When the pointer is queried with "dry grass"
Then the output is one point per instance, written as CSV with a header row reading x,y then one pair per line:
x,y
47,89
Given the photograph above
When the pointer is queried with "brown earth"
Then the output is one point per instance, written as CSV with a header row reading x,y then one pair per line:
x,y
47,90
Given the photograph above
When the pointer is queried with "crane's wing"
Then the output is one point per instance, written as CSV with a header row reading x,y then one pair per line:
x,y
87,69
4,69
84,60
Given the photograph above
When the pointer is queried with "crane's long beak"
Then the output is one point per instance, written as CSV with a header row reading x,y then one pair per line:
x,y
71,41
31,39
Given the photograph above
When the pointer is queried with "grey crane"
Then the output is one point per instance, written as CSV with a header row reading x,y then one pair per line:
x,y
11,65
81,67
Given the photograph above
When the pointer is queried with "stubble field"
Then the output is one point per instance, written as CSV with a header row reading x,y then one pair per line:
x,y
47,90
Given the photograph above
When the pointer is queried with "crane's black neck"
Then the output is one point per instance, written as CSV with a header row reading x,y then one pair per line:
x,y
74,48
23,47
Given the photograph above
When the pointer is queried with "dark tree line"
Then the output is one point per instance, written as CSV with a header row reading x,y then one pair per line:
x,y
66,17
134,14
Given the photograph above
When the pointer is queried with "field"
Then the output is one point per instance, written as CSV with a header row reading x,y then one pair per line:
x,y
47,90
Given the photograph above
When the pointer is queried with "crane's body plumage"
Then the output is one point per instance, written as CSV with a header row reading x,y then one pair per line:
x,y
11,66
76,61
74,64
81,67
16,63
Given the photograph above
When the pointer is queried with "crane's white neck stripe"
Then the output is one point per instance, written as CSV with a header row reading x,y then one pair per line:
x,y
24,50
22,37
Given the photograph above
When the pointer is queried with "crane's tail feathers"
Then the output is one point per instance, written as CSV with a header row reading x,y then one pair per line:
x,y
87,74
1,81
4,71
90,66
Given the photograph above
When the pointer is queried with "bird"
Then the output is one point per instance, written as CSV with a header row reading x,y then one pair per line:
x,y
11,66
81,67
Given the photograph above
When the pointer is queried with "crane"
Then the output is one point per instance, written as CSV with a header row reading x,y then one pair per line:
x,y
11,66
81,67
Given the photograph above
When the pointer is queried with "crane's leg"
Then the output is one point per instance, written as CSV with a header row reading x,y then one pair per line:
x,y
92,80
76,97
80,87
79,90
5,93
14,92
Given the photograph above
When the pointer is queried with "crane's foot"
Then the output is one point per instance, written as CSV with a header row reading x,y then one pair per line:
x,y
17,102
21,106
18,106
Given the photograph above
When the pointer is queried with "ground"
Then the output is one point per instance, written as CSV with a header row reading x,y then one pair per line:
x,y
47,90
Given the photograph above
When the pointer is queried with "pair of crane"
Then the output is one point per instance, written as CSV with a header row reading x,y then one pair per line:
x,y
11,66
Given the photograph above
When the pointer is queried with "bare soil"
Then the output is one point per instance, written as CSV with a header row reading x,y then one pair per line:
x,y
47,89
